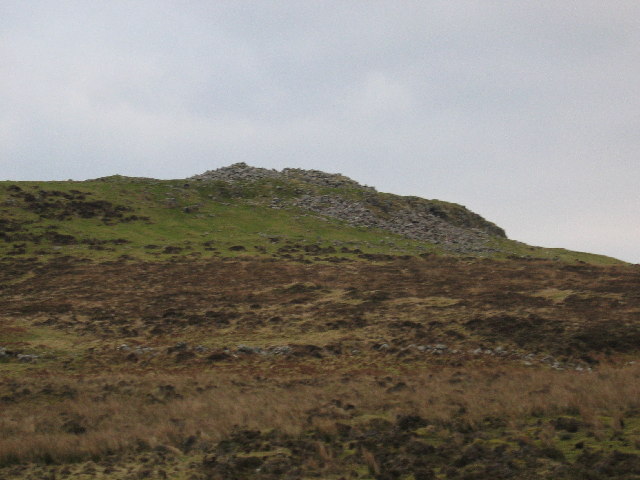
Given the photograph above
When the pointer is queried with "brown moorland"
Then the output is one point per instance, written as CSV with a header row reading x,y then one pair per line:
x,y
381,367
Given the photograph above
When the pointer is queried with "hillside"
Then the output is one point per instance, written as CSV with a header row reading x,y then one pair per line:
x,y
255,324
239,209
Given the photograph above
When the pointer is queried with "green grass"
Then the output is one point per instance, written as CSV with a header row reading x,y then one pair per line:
x,y
224,223
510,248
224,215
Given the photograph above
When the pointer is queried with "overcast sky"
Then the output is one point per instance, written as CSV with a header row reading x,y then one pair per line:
x,y
527,112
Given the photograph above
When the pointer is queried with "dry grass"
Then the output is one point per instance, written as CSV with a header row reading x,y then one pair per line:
x,y
337,394
515,393
105,415
370,461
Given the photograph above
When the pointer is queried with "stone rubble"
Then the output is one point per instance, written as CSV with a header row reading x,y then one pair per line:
x,y
21,357
526,359
241,172
416,220
26,358
410,223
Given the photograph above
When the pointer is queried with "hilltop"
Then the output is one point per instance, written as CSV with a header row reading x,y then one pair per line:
x,y
244,210
248,323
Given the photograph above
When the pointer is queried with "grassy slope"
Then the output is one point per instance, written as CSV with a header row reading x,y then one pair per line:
x,y
224,221
226,215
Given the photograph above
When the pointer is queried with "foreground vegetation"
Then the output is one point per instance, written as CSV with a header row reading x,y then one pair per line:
x,y
405,367
505,422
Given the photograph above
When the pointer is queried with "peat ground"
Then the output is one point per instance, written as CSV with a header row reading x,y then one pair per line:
x,y
381,367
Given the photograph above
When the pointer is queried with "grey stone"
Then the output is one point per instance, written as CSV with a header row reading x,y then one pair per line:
x,y
281,350
249,350
144,350
26,358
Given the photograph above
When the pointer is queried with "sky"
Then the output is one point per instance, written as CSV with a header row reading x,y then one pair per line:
x,y
526,112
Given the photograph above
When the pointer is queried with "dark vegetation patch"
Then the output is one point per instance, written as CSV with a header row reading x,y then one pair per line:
x,y
540,333
531,330
58,205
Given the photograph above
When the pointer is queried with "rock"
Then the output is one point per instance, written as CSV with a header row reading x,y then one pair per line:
x,y
249,350
143,350
281,350
26,358
241,172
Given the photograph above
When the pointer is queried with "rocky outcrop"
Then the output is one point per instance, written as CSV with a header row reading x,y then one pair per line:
x,y
417,225
238,172
451,226
241,172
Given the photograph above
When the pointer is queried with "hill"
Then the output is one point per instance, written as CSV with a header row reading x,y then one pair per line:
x,y
239,209
258,324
